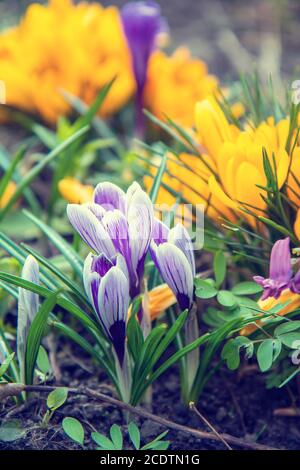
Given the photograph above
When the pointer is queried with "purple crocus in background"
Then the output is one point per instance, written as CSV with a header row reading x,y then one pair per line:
x,y
117,222
142,22
172,253
280,271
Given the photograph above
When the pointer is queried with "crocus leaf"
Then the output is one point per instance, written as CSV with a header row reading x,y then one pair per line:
x,y
6,363
219,267
35,335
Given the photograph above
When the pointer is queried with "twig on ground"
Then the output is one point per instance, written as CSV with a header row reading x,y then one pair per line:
x,y
211,427
18,388
288,412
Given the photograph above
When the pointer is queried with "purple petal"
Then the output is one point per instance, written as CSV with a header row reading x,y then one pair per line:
x,y
113,298
160,232
181,238
97,210
101,264
109,196
90,229
280,261
116,226
117,334
141,22
176,272
140,217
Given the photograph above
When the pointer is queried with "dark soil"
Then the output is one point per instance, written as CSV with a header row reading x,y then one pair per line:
x,y
241,407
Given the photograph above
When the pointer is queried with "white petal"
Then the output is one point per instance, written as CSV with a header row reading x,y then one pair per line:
x,y
90,229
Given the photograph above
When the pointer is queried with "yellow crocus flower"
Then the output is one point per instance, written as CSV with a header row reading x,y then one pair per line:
x,y
9,191
270,302
75,192
175,83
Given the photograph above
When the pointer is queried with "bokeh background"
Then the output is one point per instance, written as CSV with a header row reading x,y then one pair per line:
x,y
230,35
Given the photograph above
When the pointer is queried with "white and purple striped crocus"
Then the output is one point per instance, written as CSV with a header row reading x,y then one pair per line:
x,y
172,253
117,222
28,305
142,23
107,287
280,272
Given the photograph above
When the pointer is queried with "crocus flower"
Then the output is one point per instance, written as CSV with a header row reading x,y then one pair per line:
x,y
28,306
117,222
106,285
280,271
172,253
142,22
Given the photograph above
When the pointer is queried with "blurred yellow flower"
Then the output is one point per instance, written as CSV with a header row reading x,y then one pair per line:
x,y
160,299
267,304
9,191
228,176
75,192
175,83
62,46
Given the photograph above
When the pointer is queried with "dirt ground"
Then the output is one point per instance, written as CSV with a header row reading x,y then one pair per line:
x,y
241,407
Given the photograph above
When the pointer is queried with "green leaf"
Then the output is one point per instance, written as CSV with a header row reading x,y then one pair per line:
x,y
290,340
158,178
204,290
33,173
267,353
134,434
42,361
226,298
158,439
246,288
74,429
231,351
219,267
116,436
59,242
11,431
61,301
57,398
35,335
8,175
287,327
6,363
103,441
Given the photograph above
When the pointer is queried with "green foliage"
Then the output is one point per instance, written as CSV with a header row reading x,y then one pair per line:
x,y
74,430
115,442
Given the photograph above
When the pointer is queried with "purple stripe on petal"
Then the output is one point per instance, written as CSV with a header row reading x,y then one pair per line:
x,y
176,272
160,232
181,238
90,229
109,196
101,265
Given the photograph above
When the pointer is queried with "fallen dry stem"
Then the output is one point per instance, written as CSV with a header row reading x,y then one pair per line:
x,y
15,389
